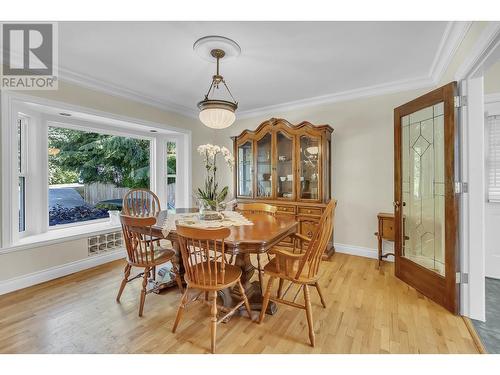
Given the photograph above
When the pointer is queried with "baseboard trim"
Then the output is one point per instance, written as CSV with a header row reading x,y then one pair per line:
x,y
475,337
38,277
359,251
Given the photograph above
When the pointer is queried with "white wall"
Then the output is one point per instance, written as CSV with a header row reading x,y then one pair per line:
x,y
492,79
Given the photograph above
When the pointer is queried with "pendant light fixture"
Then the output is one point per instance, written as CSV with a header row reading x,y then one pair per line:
x,y
217,113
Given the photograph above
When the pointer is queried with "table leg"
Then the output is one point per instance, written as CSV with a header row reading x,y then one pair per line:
x,y
167,279
252,289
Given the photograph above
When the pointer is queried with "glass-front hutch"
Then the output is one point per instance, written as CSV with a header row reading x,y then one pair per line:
x,y
288,166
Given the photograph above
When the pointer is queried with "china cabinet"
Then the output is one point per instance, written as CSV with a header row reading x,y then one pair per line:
x,y
288,166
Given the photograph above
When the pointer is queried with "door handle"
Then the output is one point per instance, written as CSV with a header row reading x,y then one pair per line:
x,y
396,204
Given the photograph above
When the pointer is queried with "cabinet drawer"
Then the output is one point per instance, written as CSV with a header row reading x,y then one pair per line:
x,y
388,229
286,209
308,228
310,211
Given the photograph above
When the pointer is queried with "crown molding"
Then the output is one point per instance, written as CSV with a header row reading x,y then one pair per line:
x,y
86,81
363,92
452,38
489,38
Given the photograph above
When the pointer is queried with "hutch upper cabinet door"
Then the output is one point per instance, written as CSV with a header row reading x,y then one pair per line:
x,y
245,169
263,161
309,176
285,165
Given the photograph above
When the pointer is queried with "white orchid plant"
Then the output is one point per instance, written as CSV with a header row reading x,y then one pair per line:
x,y
211,194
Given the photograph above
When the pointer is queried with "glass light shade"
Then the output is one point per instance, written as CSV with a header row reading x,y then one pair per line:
x,y
217,118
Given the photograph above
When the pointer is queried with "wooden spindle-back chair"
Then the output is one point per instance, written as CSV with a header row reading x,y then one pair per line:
x,y
257,208
301,267
141,202
203,256
143,251
144,203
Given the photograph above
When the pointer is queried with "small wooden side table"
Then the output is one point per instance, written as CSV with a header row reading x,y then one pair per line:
x,y
386,231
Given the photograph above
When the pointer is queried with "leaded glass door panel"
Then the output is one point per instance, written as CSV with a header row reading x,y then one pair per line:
x,y
309,179
425,202
285,165
264,166
245,169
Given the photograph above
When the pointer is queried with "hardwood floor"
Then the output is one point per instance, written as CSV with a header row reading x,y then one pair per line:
x,y
368,311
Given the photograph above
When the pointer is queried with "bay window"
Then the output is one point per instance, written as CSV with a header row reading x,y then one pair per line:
x,y
62,175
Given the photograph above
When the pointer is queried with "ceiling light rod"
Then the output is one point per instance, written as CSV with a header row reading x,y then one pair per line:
x,y
217,78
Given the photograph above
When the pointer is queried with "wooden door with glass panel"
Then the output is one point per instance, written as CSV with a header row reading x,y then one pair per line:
x,y
425,133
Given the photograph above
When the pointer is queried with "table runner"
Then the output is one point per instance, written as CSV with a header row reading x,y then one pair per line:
x,y
231,219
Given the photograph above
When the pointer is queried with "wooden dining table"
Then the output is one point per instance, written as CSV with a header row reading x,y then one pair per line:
x,y
243,241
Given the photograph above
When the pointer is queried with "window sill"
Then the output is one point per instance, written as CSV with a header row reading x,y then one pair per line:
x,y
60,235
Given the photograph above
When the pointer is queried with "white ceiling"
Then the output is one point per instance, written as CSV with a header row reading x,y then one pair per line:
x,y
280,62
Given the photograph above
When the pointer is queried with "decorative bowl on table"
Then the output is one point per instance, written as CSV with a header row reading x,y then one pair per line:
x,y
208,215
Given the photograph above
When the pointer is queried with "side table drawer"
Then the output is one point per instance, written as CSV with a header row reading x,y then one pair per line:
x,y
388,231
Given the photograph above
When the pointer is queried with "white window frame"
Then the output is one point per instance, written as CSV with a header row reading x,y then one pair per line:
x,y
167,175
22,169
13,103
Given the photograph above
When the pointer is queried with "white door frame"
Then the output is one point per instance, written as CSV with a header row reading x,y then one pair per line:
x,y
472,204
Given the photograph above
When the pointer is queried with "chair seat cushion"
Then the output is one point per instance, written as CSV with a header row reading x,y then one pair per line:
x,y
231,275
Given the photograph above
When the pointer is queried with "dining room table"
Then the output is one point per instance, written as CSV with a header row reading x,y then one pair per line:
x,y
244,241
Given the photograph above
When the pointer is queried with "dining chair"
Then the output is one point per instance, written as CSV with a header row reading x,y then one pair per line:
x,y
206,270
300,268
144,252
141,202
255,208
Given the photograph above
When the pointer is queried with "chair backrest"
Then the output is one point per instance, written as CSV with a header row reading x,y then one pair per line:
x,y
257,208
309,265
203,254
141,203
138,239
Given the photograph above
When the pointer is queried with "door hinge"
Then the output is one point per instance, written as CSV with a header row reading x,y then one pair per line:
x,y
461,187
460,101
462,278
